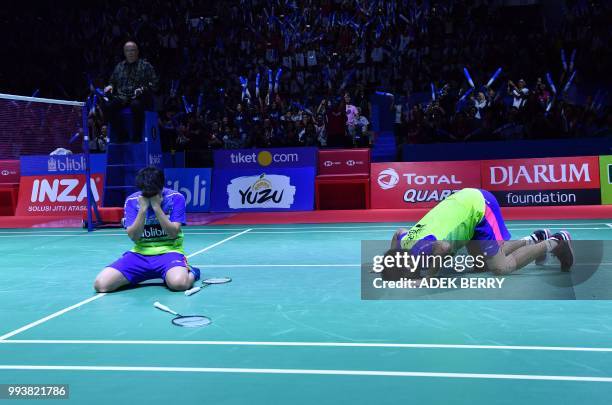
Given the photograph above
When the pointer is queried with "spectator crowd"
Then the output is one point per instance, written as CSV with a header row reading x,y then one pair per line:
x,y
243,73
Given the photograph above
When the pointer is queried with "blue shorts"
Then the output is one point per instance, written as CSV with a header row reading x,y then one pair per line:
x,y
138,268
492,226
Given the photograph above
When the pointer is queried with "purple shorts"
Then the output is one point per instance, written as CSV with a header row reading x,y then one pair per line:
x,y
492,227
138,268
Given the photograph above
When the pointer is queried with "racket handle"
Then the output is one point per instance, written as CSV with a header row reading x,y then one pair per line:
x,y
192,291
164,308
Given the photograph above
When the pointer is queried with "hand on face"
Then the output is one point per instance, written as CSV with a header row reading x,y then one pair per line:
x,y
156,201
143,203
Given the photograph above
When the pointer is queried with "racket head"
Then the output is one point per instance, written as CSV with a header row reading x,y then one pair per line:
x,y
192,321
216,280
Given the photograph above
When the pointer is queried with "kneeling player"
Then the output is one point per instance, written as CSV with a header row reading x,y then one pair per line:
x,y
153,218
472,218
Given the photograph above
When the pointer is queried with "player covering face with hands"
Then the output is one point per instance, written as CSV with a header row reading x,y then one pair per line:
x,y
154,217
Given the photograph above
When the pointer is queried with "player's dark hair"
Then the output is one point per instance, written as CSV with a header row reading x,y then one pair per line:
x,y
396,273
150,181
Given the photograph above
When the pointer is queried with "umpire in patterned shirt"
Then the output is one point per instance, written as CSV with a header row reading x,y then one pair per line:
x,y
132,84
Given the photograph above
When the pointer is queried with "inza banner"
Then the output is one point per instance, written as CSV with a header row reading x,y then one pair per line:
x,y
265,158
419,184
61,164
258,190
547,181
194,184
57,194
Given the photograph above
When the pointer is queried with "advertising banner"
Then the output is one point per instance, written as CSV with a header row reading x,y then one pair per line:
x,y
543,182
61,164
256,190
194,184
605,171
57,194
9,171
344,162
265,158
419,185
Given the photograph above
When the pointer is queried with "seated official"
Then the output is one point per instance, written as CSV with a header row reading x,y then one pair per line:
x,y
131,85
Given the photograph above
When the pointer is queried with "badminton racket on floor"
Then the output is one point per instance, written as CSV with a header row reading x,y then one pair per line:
x,y
206,283
186,321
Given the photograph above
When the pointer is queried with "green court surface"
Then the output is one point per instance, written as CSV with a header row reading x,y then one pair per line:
x,y
291,328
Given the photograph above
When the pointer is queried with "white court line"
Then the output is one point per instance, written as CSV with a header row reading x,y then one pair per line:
x,y
100,234
95,297
305,227
53,315
218,243
373,225
275,232
305,344
107,234
312,372
387,230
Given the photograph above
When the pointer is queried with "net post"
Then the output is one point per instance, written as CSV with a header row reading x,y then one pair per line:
x,y
90,226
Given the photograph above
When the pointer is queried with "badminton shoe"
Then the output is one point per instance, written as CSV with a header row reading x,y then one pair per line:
x,y
563,251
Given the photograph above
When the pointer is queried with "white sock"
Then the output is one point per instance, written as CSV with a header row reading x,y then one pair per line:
x,y
551,244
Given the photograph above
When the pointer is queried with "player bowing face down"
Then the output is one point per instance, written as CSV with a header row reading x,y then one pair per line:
x,y
472,218
153,220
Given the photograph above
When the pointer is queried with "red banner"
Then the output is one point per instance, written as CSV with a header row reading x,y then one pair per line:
x,y
9,171
543,182
420,184
344,162
541,174
57,194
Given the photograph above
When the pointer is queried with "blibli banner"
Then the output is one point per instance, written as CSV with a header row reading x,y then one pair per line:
x,y
605,171
61,164
265,158
259,190
194,184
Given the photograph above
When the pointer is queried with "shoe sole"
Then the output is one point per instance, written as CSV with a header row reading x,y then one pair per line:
x,y
568,245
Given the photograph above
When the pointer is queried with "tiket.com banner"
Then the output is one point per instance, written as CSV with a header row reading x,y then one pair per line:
x,y
605,170
257,190
265,158
420,184
57,194
194,184
543,182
